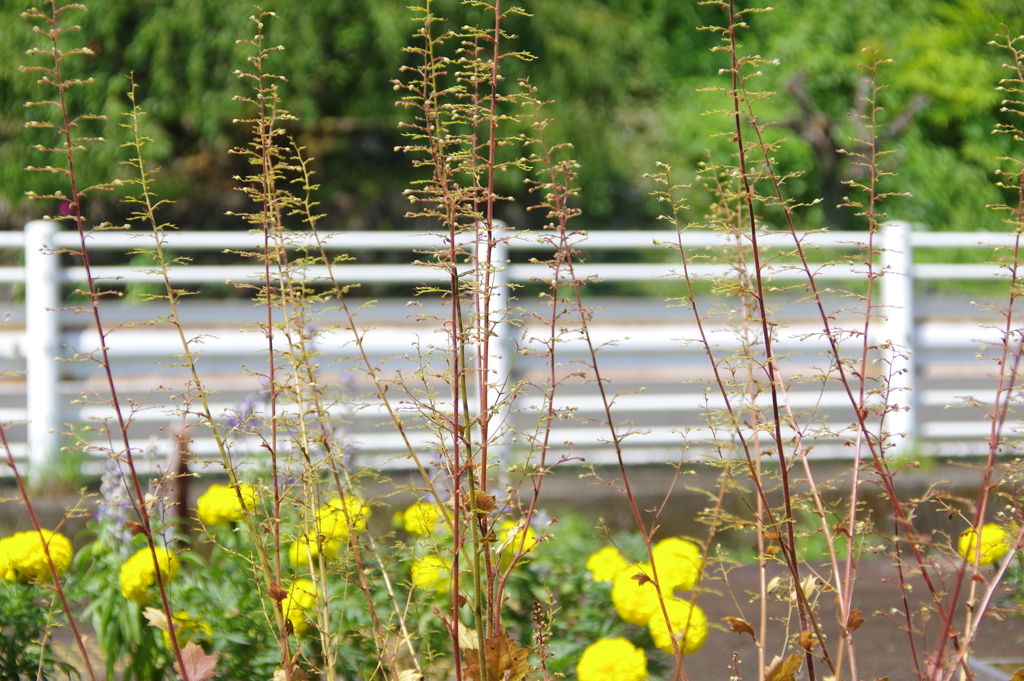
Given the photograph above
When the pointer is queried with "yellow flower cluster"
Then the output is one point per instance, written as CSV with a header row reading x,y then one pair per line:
x,y
301,550
300,598
188,629
422,518
334,521
689,626
513,537
606,563
612,659
994,544
220,505
138,574
432,572
634,599
22,555
679,563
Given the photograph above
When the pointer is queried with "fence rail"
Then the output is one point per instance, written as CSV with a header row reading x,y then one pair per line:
x,y
46,382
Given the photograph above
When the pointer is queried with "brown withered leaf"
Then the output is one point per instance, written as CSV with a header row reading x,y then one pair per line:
x,y
485,503
806,640
740,626
469,639
504,660
854,621
783,670
277,593
771,550
135,528
198,665
642,578
156,618
1018,675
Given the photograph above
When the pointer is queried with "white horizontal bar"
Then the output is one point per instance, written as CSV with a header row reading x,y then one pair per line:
x,y
627,404
126,343
11,275
923,239
960,271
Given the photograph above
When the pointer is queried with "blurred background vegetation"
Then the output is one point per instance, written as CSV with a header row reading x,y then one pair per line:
x,y
626,76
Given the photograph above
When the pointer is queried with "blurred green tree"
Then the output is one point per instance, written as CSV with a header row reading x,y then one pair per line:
x,y
626,76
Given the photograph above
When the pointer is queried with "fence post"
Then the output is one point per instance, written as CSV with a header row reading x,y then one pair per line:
x,y
42,343
898,329
502,348
496,326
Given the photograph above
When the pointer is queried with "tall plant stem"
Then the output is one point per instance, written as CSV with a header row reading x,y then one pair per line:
x,y
147,199
71,143
771,366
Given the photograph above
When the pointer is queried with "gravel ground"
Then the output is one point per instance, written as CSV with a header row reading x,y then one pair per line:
x,y
882,646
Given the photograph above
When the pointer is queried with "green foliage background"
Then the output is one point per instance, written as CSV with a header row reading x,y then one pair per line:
x,y
626,76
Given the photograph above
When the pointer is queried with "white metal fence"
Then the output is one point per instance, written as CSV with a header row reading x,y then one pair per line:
x,y
36,398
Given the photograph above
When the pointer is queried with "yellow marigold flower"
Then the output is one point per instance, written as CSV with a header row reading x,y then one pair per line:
x,y
31,563
612,659
510,534
684,618
301,549
679,563
606,563
432,572
8,547
422,518
220,506
188,629
994,544
300,598
635,601
138,573
335,518
22,555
